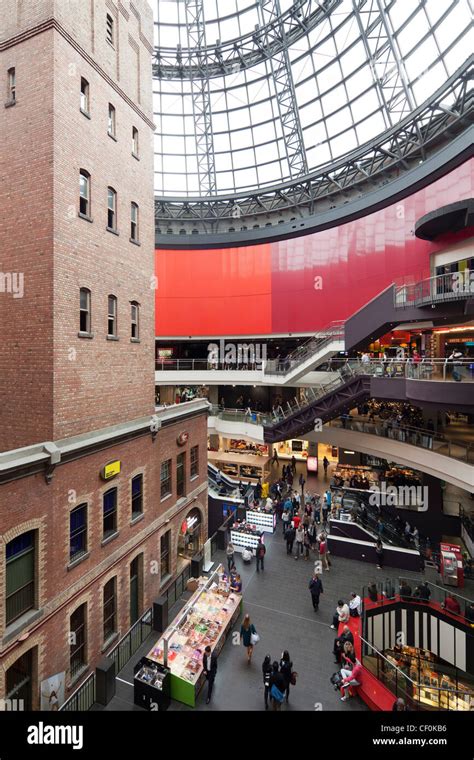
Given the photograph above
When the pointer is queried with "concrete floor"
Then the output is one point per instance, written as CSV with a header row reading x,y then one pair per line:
x,y
279,605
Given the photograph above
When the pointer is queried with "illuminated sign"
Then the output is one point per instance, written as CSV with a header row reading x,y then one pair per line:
x,y
312,464
110,470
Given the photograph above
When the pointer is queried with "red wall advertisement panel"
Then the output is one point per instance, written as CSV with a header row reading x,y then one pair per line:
x,y
302,284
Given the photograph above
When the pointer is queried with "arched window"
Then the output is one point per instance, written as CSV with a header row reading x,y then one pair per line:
x,y
135,142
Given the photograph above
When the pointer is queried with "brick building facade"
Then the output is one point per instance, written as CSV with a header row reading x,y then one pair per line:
x,y
80,557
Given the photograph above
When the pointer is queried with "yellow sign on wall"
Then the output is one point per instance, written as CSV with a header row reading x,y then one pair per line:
x,y
110,470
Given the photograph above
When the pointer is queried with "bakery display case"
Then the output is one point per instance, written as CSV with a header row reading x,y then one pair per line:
x,y
205,621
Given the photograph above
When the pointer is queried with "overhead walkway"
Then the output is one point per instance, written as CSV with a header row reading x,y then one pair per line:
x,y
246,363
444,299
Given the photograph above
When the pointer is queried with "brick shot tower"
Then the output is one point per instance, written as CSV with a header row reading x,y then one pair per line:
x,y
91,496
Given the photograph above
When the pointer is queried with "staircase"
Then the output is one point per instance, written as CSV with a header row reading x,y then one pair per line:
x,y
315,351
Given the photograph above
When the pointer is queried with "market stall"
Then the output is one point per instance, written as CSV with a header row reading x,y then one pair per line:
x,y
205,621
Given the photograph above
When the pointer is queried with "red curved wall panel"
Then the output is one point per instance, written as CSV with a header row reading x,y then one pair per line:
x,y
302,284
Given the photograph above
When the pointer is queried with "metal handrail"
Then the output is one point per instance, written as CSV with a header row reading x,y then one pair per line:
x,y
86,687
418,437
453,286
334,331
425,368
416,684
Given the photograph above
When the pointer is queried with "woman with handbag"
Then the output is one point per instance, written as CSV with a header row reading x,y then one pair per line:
x,y
248,636
286,669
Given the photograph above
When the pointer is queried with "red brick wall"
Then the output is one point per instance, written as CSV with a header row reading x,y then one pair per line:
x,y
62,590
52,383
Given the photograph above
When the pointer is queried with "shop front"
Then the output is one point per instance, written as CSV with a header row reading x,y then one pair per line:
x,y
190,535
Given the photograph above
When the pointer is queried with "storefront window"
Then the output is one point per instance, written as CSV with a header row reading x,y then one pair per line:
x,y
190,541
165,488
194,461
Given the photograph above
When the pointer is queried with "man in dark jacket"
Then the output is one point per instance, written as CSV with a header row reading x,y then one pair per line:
x,y
289,538
209,664
405,591
260,554
316,588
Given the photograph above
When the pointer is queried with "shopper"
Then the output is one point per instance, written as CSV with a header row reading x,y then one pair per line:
x,y
218,477
316,588
260,554
267,671
275,457
299,535
286,669
302,482
350,678
289,538
209,664
424,592
236,584
341,615
399,705
405,591
379,553
451,605
285,518
340,641
325,465
469,614
247,636
355,605
230,555
348,655
277,687
306,544
296,521
372,592
293,463
323,552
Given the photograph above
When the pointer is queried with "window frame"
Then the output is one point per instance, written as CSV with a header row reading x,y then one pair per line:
x,y
135,142
11,85
81,553
194,462
110,30
181,475
111,210
139,496
134,223
165,554
112,316
87,311
112,121
166,483
76,647
106,534
85,94
22,552
135,322
84,174
112,616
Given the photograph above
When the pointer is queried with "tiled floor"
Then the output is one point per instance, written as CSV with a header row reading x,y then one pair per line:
x,y
279,604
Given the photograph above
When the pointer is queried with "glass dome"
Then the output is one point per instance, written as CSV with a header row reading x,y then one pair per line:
x,y
255,94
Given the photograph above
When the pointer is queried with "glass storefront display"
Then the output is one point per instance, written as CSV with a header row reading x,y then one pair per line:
x,y
293,448
189,539
430,682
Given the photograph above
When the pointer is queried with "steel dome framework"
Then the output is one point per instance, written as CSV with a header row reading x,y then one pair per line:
x,y
295,106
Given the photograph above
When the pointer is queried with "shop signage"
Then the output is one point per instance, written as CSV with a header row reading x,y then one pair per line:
x,y
182,439
110,470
